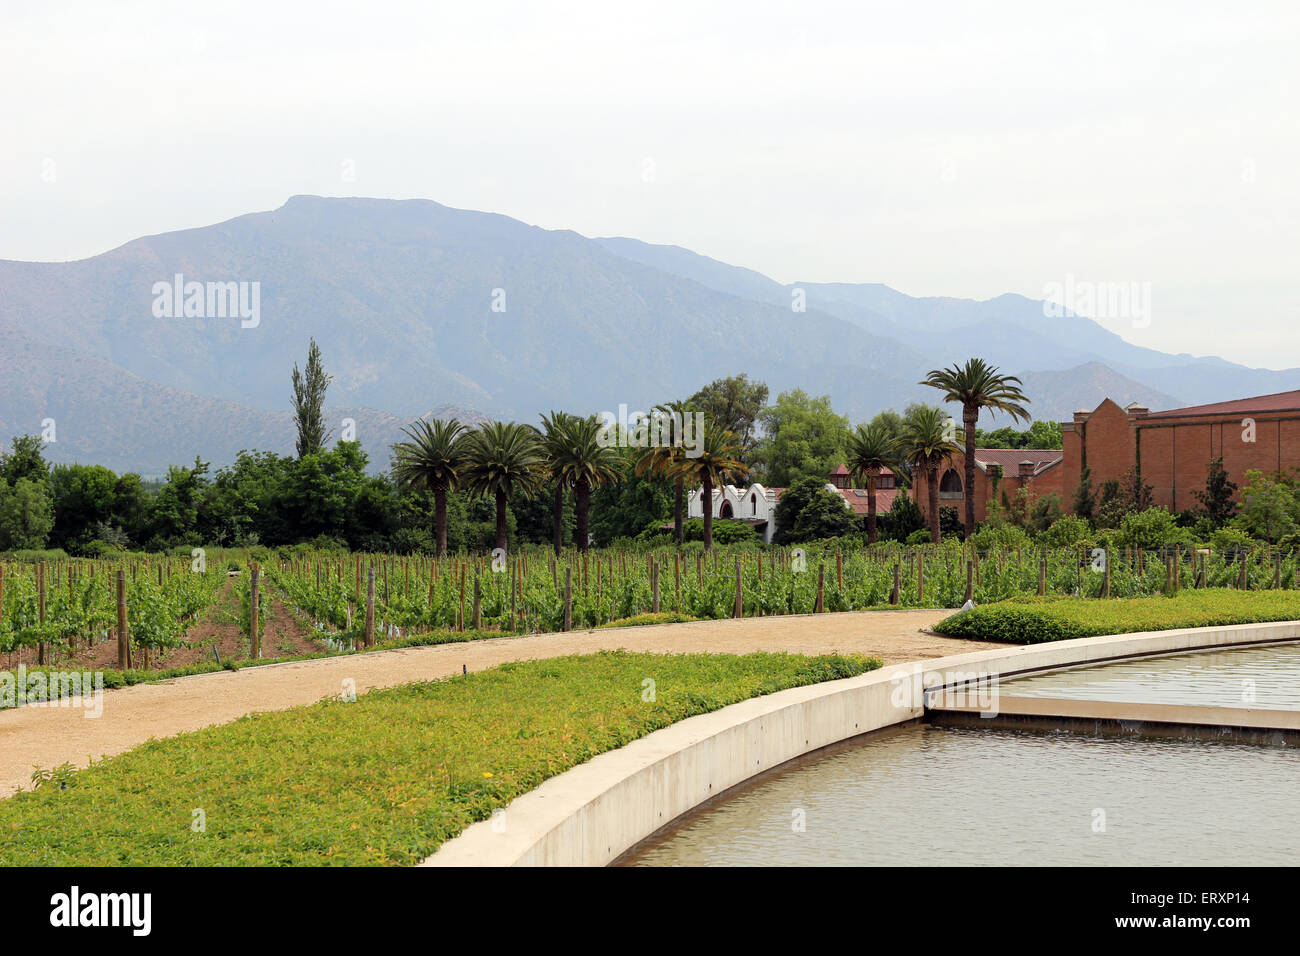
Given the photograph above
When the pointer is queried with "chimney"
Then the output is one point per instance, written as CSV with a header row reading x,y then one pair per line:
x,y
1136,411
1026,469
1081,416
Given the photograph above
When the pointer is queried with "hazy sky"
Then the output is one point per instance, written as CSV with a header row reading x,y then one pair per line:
x,y
944,149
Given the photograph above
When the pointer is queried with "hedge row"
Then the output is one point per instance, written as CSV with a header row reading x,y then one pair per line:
x,y
1036,620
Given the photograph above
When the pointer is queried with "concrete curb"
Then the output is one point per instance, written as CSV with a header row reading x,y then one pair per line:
x,y
592,813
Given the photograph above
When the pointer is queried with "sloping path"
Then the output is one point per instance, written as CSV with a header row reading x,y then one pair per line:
x,y
47,737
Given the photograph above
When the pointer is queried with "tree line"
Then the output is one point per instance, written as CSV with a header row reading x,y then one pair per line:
x,y
453,486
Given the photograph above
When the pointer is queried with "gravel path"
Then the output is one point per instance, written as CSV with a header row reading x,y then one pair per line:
x,y
47,737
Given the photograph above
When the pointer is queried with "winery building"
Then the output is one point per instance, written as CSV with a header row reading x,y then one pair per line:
x,y
998,472
1172,449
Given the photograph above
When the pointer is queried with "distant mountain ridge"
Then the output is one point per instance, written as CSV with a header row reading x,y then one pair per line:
x,y
419,306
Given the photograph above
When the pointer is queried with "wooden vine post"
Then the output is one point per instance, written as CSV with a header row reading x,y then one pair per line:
x,y
368,638
477,623
254,631
738,609
821,588
123,633
568,599
40,607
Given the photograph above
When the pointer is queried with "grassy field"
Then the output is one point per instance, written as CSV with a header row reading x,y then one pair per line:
x,y
382,780
1035,620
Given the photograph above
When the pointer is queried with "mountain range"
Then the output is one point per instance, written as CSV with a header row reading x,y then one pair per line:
x,y
422,310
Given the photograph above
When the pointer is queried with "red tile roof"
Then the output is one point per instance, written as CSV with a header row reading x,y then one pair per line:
x,y
859,504
1277,402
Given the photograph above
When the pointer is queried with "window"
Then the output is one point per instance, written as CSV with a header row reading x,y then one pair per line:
x,y
753,502
950,482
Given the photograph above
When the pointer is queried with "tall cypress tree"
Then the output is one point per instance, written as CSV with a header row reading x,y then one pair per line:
x,y
309,403
1216,500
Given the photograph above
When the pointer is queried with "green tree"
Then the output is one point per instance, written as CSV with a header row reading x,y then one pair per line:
x,y
808,510
83,498
717,463
1044,434
175,514
870,449
1216,500
309,388
26,514
583,462
1085,502
503,459
26,459
804,438
666,461
926,444
432,459
1269,507
624,508
554,437
975,386
732,404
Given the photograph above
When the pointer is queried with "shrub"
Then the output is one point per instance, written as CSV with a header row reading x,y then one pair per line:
x,y
1066,532
990,537
725,531
919,537
1232,539
1034,620
1150,529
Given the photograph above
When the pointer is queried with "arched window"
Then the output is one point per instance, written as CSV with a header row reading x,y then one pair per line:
x,y
753,502
950,482
725,511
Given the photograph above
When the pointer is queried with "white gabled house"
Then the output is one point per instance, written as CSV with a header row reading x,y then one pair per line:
x,y
756,504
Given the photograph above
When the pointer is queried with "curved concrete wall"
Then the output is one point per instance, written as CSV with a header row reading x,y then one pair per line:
x,y
591,814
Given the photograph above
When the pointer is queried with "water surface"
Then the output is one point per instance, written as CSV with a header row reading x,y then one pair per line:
x,y
931,796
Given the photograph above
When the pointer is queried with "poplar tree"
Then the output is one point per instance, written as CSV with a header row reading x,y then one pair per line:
x,y
309,403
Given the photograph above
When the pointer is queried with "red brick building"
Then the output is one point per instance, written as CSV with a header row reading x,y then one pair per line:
x,y
1009,469
1172,449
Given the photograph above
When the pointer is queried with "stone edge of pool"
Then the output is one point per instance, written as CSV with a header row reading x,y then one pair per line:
x,y
591,814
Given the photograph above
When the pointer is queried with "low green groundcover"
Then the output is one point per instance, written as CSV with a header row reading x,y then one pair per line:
x,y
1035,620
384,779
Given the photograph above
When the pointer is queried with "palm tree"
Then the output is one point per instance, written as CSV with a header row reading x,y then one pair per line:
x,y
717,462
582,463
870,449
977,385
924,443
502,459
664,461
434,460
553,449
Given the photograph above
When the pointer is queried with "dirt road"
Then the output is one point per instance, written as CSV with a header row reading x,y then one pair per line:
x,y
47,737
